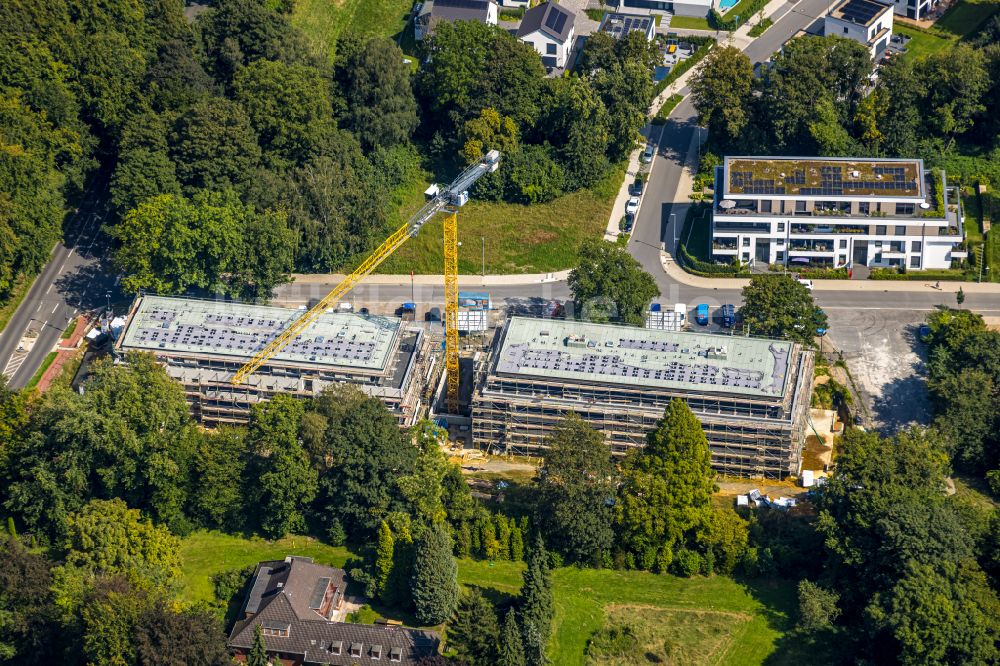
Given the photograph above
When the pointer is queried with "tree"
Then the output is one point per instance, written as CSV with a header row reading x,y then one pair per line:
x,y
817,606
827,132
902,121
364,453
722,90
435,577
213,145
578,126
533,175
383,559
164,637
220,464
956,81
381,108
28,618
511,647
289,107
626,91
599,52
960,296
258,653
423,489
144,167
474,632
725,537
535,604
576,489
666,489
489,131
609,284
285,481
107,537
778,306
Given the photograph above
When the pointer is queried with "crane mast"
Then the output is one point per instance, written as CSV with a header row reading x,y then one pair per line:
x,y
448,199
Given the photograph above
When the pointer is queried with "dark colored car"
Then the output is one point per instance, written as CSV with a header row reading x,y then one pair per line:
x,y
637,187
728,313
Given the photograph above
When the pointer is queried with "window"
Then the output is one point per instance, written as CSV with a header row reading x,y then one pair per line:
x,y
781,226
376,652
900,230
864,207
904,209
765,206
800,206
550,49
880,230
841,259
277,630
780,241
845,31
746,242
916,246
396,654
843,244
914,262
779,255
336,647
356,649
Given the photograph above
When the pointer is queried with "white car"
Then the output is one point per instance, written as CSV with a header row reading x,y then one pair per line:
x,y
632,206
808,284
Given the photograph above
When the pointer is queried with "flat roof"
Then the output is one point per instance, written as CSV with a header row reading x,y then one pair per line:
x,y
238,330
824,177
862,12
608,353
618,24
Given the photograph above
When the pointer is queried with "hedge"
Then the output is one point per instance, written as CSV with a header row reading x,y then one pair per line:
x,y
705,44
950,274
705,269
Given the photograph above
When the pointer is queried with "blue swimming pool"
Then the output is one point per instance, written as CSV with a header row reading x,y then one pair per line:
x,y
727,4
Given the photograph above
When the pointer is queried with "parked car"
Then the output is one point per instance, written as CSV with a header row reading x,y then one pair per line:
x,y
728,313
647,155
808,284
637,187
701,314
629,222
632,207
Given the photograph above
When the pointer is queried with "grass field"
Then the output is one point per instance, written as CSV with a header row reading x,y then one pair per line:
x,y
323,21
690,23
518,239
717,618
963,19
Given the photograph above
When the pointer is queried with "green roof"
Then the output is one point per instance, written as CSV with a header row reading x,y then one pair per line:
x,y
613,354
823,177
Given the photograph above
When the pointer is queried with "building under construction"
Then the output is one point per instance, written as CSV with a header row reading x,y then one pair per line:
x,y
751,395
203,343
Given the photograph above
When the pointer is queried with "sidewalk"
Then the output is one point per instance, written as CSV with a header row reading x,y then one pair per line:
x,y
436,280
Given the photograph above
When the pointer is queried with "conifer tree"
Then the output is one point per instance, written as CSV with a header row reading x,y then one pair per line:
x,y
536,603
258,653
435,577
474,631
383,558
511,648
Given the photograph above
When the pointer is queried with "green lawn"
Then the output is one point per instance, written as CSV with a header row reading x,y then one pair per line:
x,y
518,239
37,377
742,623
322,21
690,23
964,18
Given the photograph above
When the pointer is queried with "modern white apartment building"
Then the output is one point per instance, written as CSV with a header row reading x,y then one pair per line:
x,y
835,211
868,22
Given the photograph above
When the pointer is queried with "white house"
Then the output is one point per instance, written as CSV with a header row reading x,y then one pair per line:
x,y
914,9
548,27
522,4
699,8
835,211
866,21
433,12
618,25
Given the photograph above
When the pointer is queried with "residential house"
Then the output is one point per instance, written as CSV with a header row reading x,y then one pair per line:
x,y
618,25
835,211
700,8
548,28
913,9
433,12
297,603
868,22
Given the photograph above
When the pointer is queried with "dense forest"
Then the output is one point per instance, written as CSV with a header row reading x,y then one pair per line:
x,y
236,154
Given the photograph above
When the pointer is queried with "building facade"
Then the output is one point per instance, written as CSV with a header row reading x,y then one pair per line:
x,y
549,29
913,9
432,12
867,22
699,8
835,212
201,344
751,395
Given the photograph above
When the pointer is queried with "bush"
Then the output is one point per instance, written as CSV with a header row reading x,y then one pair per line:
x,y
704,45
686,563
533,176
228,584
817,606
759,29
931,275
613,643
364,615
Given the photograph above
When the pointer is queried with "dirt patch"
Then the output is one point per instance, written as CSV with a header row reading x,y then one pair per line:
x,y
541,236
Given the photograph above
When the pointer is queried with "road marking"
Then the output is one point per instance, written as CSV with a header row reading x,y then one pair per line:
x,y
38,308
54,308
913,309
49,289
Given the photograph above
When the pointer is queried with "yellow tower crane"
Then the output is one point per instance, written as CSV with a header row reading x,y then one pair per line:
x,y
447,199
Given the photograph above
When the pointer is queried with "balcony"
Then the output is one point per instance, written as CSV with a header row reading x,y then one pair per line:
x,y
725,244
822,229
810,246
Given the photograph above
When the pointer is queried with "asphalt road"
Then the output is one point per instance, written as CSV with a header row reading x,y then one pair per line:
x,y
74,280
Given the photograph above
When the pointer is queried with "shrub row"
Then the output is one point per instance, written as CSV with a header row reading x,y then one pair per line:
x,y
704,45
944,274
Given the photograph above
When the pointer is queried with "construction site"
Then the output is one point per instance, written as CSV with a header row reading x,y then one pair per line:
x,y
203,343
751,395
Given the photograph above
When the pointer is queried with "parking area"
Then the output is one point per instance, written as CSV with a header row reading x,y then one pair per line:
x,y
886,362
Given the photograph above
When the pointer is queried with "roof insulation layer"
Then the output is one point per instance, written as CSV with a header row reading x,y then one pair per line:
x,y
606,353
238,330
824,177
